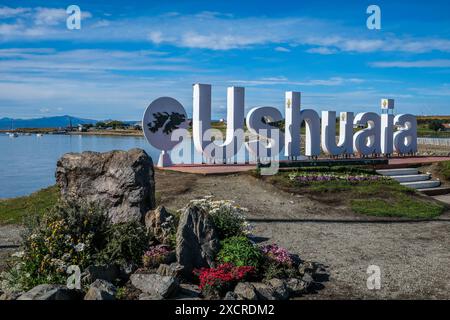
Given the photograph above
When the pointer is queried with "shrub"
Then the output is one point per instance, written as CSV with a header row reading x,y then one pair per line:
x,y
125,243
156,255
239,251
277,254
215,282
279,263
71,234
228,218
66,235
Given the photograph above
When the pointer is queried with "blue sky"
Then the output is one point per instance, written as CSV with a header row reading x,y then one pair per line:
x,y
128,53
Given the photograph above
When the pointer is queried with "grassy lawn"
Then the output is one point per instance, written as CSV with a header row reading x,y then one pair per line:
x,y
382,198
15,209
444,170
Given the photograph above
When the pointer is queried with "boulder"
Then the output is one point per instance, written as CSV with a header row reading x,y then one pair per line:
x,y
160,223
273,289
50,292
172,270
264,291
120,182
150,296
230,295
245,291
188,292
296,286
155,284
104,272
197,240
280,289
101,290
308,280
10,296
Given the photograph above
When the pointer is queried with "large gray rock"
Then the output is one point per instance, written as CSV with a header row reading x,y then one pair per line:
x,y
105,272
50,292
101,290
274,289
245,291
172,270
160,223
197,240
281,291
155,284
120,182
296,286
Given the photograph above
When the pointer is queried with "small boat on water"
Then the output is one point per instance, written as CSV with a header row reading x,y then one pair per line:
x,y
13,135
39,135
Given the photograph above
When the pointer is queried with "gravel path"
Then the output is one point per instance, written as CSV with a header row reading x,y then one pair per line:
x,y
414,257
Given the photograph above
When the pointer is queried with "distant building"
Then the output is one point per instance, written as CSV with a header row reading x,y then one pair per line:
x,y
446,126
82,128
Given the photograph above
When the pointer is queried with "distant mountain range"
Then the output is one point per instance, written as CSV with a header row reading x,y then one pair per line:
x,y
46,122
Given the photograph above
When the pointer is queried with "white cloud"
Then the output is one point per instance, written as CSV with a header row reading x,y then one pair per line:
x,y
216,31
282,49
333,81
8,12
436,63
322,50
49,16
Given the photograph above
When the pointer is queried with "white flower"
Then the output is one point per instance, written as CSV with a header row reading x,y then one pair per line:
x,y
18,254
79,247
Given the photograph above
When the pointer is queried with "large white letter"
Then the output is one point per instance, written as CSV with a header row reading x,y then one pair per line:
x,y
292,124
312,134
387,122
266,144
367,141
405,139
201,122
345,144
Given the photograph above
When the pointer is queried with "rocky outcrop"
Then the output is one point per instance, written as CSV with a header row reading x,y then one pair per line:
x,y
120,182
50,292
101,290
155,285
197,240
160,223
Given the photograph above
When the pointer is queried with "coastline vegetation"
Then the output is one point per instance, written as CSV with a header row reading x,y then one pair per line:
x,y
15,210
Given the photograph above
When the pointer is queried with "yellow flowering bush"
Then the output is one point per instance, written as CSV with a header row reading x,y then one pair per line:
x,y
67,235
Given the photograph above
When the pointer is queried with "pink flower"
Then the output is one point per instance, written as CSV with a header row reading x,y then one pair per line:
x,y
277,254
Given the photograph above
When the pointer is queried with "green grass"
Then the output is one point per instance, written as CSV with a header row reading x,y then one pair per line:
x,y
399,205
444,170
382,198
16,209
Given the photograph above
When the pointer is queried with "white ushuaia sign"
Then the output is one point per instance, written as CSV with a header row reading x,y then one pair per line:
x,y
165,125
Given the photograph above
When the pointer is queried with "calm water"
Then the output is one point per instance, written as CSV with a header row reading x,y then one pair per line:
x,y
28,163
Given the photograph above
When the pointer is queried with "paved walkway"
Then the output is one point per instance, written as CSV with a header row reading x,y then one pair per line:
x,y
206,169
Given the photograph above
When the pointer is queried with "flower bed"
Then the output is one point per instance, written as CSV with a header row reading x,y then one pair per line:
x,y
305,177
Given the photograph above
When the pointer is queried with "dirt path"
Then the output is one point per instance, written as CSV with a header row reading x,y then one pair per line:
x,y
414,257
